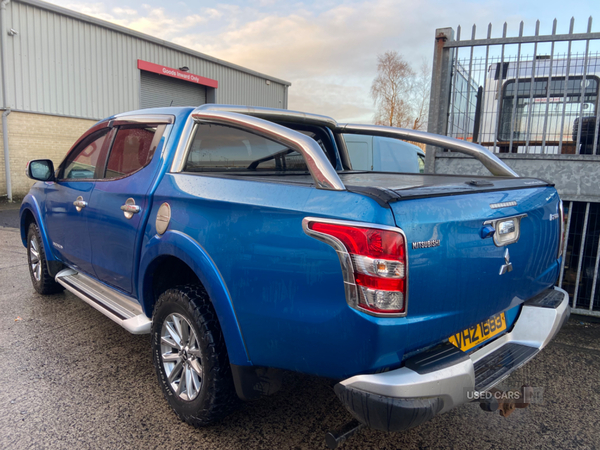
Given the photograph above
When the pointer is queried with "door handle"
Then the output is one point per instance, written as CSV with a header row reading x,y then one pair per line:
x,y
130,208
79,203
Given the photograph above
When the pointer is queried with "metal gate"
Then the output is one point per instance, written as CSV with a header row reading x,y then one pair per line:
x,y
534,101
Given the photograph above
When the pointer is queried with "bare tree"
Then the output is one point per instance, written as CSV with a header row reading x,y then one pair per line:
x,y
401,95
420,95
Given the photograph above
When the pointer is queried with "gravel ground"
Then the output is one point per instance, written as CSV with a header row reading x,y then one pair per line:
x,y
71,378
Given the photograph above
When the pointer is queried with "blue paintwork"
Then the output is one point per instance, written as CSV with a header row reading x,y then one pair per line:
x,y
182,246
116,255
460,280
278,293
67,227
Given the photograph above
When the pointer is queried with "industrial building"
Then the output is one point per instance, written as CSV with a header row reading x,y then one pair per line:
x,y
62,71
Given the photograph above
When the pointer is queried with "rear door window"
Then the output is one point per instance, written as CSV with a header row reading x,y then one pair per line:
x,y
132,149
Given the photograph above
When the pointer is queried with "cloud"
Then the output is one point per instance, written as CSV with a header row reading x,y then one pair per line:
x,y
149,20
160,24
124,11
327,49
329,56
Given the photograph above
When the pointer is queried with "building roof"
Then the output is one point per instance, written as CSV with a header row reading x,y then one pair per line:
x,y
146,37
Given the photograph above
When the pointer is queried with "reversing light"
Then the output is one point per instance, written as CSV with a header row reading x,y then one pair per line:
x,y
507,230
373,263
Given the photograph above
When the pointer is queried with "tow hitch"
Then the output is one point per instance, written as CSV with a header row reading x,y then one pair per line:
x,y
505,402
335,438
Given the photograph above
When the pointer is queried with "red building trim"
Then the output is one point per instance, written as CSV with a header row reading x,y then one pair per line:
x,y
174,73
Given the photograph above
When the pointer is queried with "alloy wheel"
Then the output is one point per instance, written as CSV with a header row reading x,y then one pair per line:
x,y
34,259
181,356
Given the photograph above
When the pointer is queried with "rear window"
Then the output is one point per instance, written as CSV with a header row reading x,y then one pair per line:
x,y
219,148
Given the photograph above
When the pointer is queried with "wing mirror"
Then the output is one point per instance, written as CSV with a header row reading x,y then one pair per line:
x,y
40,169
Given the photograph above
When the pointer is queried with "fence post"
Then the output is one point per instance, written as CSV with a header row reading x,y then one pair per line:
x,y
439,101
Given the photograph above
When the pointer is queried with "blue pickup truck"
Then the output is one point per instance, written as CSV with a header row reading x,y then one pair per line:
x,y
244,242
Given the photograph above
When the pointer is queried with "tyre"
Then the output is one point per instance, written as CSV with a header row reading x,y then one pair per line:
x,y
190,357
41,279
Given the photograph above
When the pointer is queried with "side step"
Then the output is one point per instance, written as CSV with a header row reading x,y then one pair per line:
x,y
117,307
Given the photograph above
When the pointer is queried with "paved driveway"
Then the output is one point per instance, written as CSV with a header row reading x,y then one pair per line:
x,y
71,378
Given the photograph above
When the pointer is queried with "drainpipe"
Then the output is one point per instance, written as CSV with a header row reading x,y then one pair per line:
x,y
6,108
6,153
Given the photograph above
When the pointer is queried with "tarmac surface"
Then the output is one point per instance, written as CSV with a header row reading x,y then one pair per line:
x,y
9,214
71,378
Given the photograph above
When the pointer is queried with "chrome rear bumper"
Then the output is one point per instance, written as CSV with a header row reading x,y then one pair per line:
x,y
440,380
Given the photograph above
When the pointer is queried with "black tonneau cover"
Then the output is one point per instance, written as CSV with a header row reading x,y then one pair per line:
x,y
416,185
386,187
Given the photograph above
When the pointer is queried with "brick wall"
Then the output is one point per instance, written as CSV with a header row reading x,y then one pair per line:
x,y
36,136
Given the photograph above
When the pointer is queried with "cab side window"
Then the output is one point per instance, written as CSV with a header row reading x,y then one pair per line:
x,y
82,162
132,150
219,148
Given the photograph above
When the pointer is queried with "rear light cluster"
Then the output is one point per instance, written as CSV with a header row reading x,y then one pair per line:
x,y
373,263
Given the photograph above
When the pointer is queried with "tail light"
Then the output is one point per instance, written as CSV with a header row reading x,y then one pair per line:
x,y
373,260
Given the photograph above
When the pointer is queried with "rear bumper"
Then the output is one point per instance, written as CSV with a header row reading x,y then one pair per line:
x,y
440,380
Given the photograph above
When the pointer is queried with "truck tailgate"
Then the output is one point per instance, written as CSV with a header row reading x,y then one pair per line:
x,y
454,275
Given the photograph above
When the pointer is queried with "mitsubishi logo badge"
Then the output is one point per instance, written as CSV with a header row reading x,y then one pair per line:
x,y
507,267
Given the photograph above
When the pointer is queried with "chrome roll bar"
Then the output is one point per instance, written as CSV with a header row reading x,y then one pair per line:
x,y
281,115
256,120
491,162
323,174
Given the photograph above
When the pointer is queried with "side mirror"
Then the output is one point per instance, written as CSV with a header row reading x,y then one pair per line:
x,y
41,170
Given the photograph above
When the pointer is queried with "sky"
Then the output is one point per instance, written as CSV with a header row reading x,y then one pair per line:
x,y
328,49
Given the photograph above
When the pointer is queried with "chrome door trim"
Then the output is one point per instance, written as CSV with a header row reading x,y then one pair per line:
x,y
130,208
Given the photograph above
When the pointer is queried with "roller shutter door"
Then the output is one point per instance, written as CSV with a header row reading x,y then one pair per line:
x,y
158,90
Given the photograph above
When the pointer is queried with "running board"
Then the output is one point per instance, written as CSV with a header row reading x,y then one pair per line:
x,y
117,307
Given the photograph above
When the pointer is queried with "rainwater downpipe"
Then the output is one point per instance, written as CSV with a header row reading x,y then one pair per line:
x,y
6,107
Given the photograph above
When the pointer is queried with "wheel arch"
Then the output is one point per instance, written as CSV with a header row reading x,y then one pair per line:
x,y
177,254
30,213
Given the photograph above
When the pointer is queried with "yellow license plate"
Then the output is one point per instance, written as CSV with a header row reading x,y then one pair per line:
x,y
479,333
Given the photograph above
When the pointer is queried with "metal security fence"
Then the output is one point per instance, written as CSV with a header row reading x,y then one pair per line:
x,y
534,101
523,95
579,271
